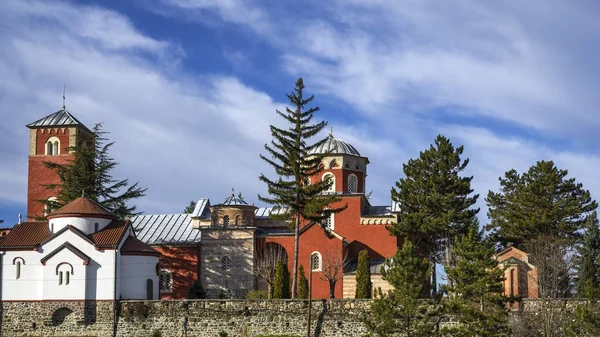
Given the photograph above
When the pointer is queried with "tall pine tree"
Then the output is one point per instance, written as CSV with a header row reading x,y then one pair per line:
x,y
476,294
89,173
435,200
541,201
401,311
363,276
587,263
288,155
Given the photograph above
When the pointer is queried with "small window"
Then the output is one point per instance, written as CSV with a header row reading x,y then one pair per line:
x,y
55,148
328,222
357,167
226,220
165,281
60,278
149,289
332,179
96,227
237,220
226,263
352,182
49,208
49,149
18,270
315,261
67,278
52,146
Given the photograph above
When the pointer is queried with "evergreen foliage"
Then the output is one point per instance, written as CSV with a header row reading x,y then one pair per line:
x,y
281,285
363,276
587,316
189,209
401,311
435,200
541,201
288,155
587,262
89,173
476,294
302,283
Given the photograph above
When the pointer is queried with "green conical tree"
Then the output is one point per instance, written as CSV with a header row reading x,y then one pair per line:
x,y
476,296
401,311
363,276
302,283
189,209
281,283
288,155
89,173
587,264
541,201
435,200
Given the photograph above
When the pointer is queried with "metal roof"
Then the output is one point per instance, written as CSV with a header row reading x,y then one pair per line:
x,y
334,146
60,118
233,201
265,212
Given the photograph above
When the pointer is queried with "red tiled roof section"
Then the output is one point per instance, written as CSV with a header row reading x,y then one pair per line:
x,y
110,235
26,235
133,246
82,206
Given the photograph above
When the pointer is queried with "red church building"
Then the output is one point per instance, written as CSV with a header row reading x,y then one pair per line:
x,y
220,244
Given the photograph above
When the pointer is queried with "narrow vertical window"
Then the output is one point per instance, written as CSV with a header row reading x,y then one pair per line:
x,y
60,278
55,149
315,261
67,278
237,220
226,220
49,148
512,281
18,270
96,227
352,182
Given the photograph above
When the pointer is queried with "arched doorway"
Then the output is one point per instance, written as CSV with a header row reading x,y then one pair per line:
x,y
267,258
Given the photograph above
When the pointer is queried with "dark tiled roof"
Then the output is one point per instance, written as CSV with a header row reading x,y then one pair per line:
x,y
60,118
82,206
110,235
133,246
26,235
73,249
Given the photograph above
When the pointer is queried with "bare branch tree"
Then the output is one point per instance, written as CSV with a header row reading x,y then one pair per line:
x,y
264,265
332,268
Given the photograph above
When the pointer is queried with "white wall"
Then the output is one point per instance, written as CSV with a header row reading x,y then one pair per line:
x,y
29,285
135,270
85,225
75,290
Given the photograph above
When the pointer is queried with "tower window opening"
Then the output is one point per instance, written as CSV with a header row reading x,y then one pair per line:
x,y
352,182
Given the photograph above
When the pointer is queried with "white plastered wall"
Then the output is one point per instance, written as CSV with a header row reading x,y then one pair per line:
x,y
135,271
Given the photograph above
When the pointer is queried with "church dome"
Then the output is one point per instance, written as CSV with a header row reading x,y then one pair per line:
x,y
334,145
233,200
82,207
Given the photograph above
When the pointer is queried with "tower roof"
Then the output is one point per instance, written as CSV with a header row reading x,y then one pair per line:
x,y
233,200
333,145
60,118
82,207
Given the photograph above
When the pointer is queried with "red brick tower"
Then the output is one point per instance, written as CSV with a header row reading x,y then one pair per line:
x,y
49,140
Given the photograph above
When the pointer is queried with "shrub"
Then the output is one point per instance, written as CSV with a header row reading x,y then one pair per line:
x,y
302,283
197,291
257,294
363,276
281,284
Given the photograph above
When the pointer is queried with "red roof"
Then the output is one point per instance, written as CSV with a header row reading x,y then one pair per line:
x,y
82,206
133,246
111,235
26,235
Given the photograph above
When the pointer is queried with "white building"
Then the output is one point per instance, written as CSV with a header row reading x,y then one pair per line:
x,y
83,252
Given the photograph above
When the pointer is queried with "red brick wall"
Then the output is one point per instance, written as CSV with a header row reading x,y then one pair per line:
x,y
341,179
39,176
182,261
42,138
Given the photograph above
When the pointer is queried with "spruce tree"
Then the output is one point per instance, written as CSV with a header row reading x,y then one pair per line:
x,y
302,283
288,155
401,311
541,201
89,173
435,200
363,276
189,209
476,294
587,264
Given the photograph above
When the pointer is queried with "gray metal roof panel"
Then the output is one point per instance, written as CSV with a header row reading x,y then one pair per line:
x,y
334,146
157,229
60,118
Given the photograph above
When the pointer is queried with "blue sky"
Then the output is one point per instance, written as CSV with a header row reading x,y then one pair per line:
x,y
187,88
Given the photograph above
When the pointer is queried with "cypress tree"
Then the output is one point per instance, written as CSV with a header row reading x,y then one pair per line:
x,y
401,311
435,200
286,282
587,264
541,201
476,294
363,276
302,283
288,155
90,173
278,283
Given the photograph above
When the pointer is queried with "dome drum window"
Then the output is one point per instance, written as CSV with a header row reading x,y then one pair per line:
x,y
226,263
352,183
330,176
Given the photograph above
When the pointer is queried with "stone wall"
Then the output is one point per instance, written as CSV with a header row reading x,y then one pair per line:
x,y
194,318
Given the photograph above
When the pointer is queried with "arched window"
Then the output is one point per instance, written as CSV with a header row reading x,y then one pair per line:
x,y
226,220
357,167
330,176
52,146
315,261
328,222
352,183
226,263
49,208
237,220
165,281
18,262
